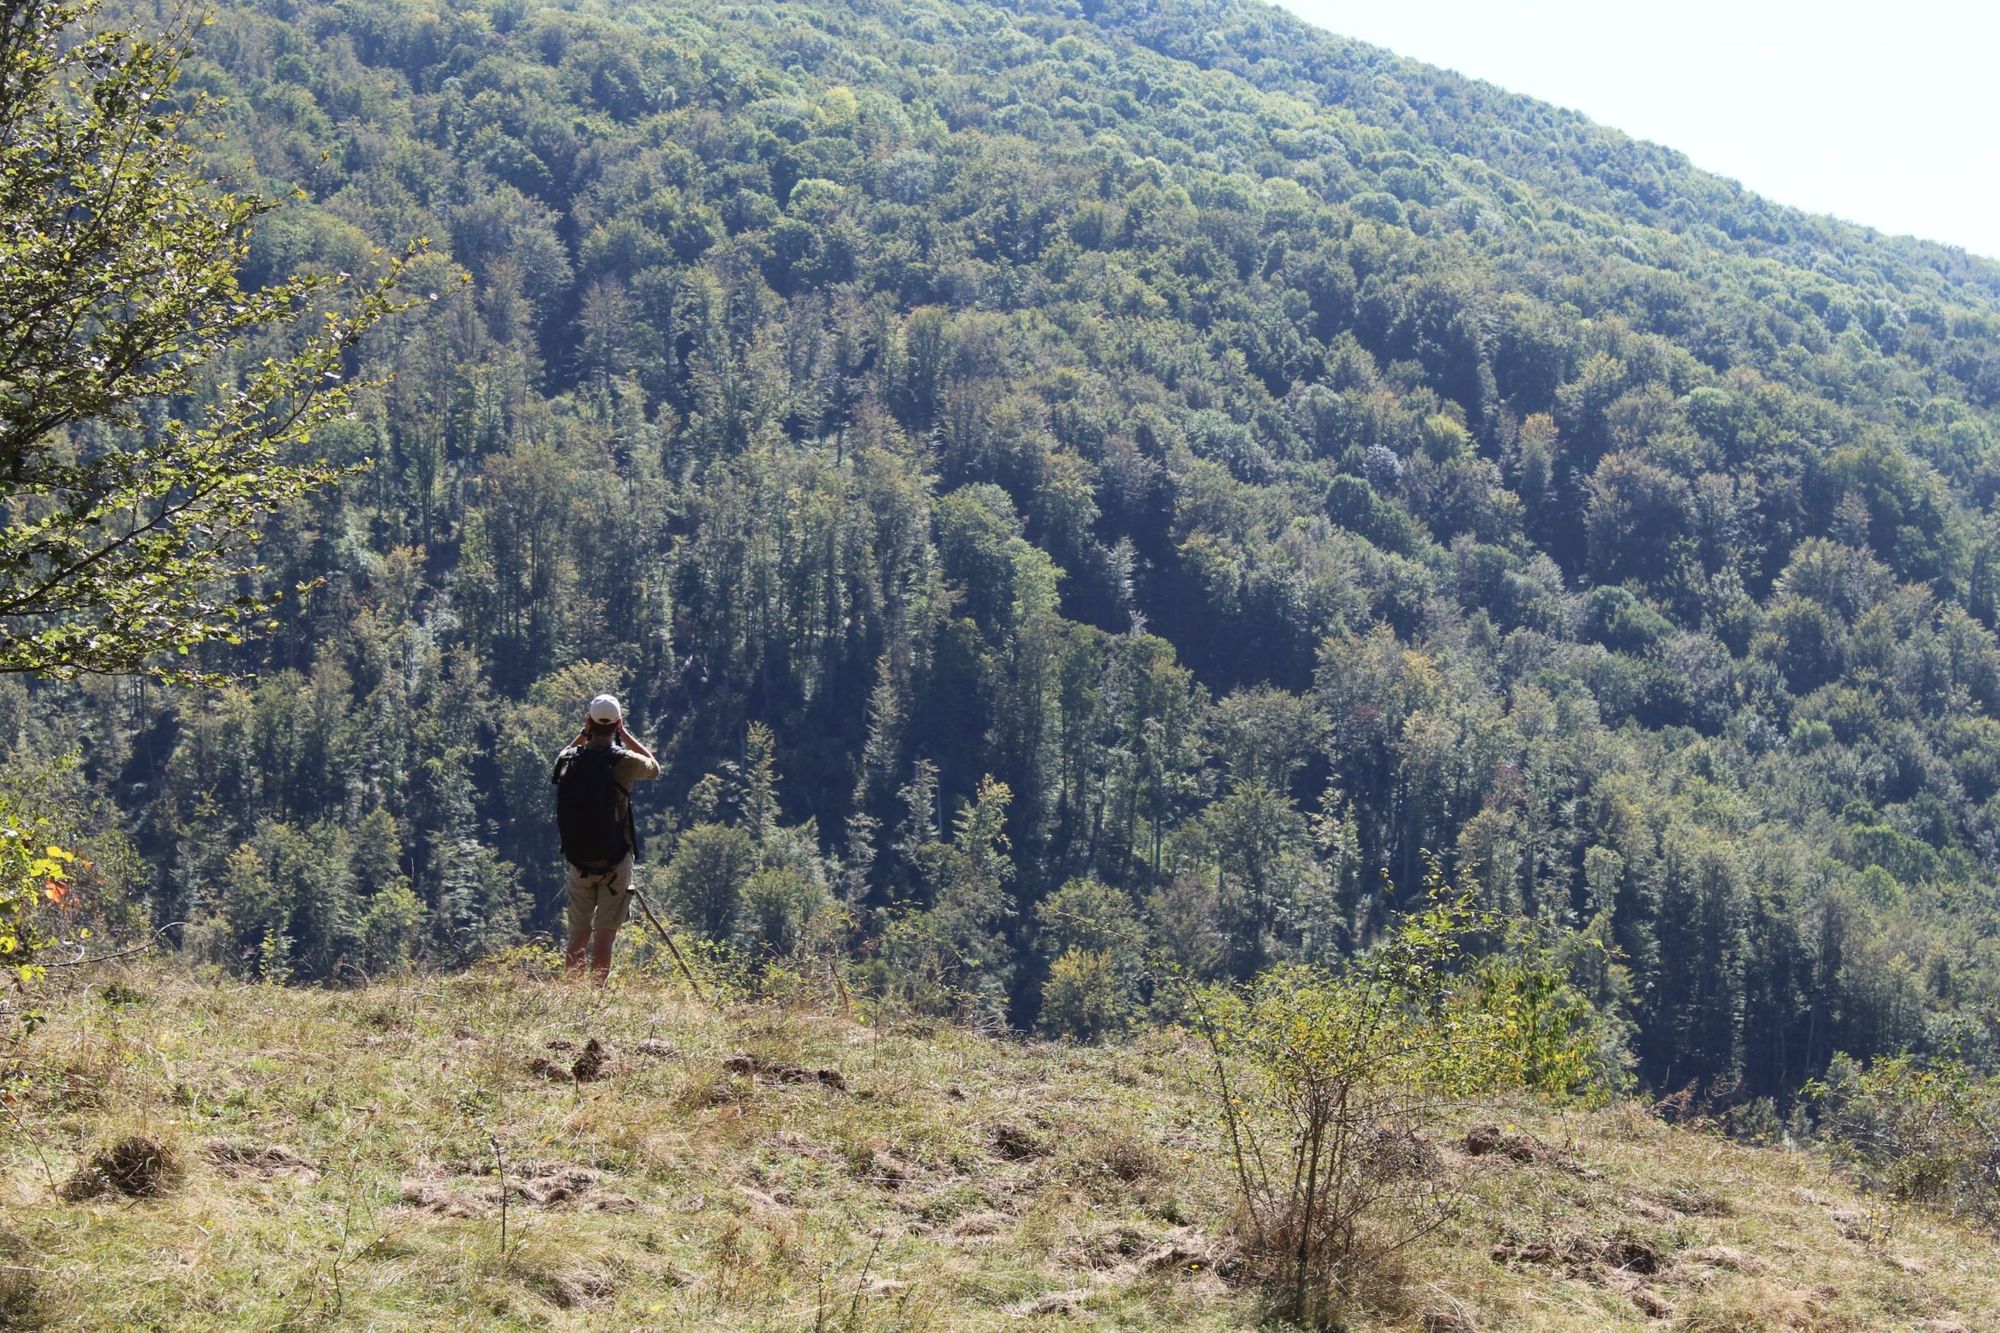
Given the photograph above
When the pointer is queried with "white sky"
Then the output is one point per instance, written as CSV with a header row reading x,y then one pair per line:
x,y
1884,114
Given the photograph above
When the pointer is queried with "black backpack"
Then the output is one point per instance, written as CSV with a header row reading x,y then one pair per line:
x,y
587,792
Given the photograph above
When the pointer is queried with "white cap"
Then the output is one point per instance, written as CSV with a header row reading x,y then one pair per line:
x,y
605,709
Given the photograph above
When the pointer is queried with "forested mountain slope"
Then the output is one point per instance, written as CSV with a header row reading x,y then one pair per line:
x,y
1060,482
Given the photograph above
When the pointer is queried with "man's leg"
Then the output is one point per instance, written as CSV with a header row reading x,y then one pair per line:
x,y
582,906
613,902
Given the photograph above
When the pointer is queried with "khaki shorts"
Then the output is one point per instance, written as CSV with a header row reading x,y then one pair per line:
x,y
599,901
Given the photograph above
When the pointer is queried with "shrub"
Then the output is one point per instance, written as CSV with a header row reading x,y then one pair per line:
x,y
1925,1133
704,881
775,910
1084,997
31,873
1326,1079
389,926
1097,973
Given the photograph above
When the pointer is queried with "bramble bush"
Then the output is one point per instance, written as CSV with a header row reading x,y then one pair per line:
x,y
35,875
33,872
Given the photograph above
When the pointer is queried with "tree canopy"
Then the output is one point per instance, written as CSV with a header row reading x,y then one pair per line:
x,y
136,465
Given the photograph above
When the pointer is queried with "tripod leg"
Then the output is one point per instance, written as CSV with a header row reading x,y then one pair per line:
x,y
672,948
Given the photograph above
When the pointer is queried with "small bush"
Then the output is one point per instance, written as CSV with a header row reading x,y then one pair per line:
x,y
390,926
1328,1081
535,958
1084,997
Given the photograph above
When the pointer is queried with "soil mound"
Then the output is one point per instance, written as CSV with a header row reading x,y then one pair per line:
x,y
135,1166
592,1065
1015,1143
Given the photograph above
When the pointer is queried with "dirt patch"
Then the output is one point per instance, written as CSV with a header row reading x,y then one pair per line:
x,y
1573,1255
575,1291
1651,1303
1127,1159
1489,1140
1105,1247
543,1067
1724,1257
885,1168
775,1200
1858,1224
241,1159
1583,1256
1522,1149
1189,1250
791,1144
1620,1262
979,1225
1446,1321
429,1197
1400,1154
1693,1201
385,1019
1127,1253
766,1070
135,1166
655,1049
1053,1303
1631,1254
1015,1143
591,1064
614,1203
552,1185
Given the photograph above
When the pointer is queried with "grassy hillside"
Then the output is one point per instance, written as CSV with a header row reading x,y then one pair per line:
x,y
336,1157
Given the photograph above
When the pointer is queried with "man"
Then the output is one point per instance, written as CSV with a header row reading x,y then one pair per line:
x,y
593,778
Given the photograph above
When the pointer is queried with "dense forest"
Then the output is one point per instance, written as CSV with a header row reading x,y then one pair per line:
x,y
1065,485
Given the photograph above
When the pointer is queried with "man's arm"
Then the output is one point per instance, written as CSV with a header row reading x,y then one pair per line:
x,y
640,765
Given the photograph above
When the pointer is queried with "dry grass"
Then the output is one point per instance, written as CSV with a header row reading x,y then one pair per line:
x,y
345,1157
